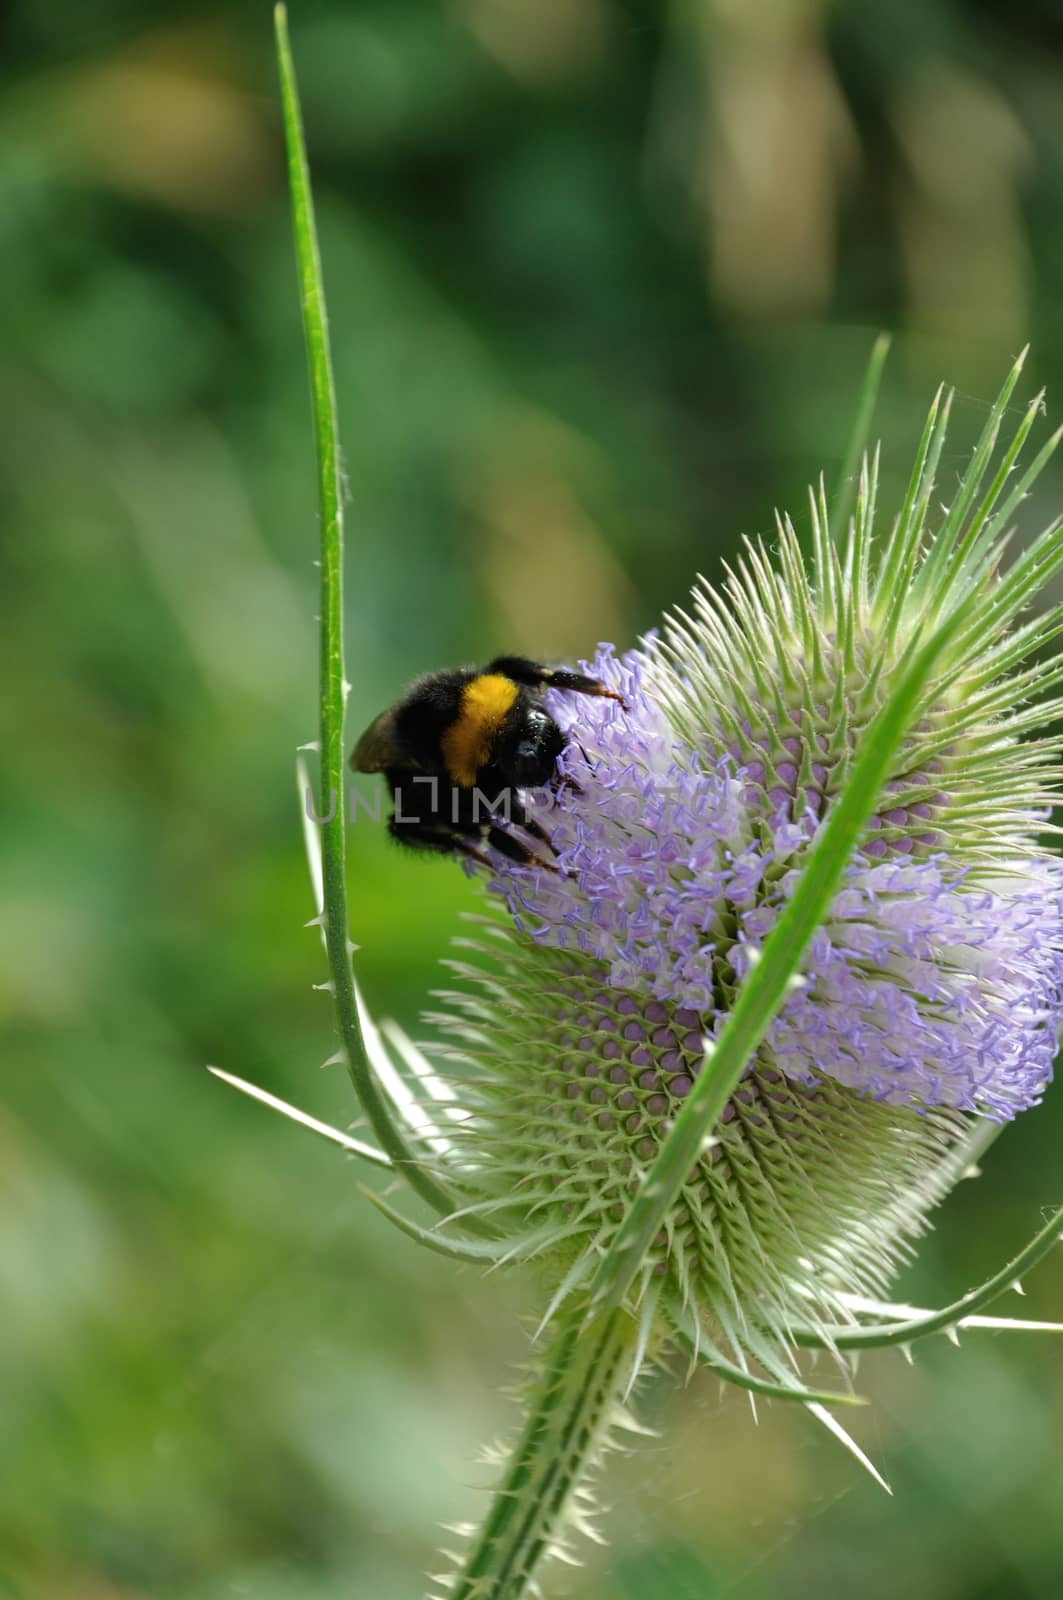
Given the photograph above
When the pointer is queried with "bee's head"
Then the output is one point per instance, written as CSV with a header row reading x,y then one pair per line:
x,y
528,747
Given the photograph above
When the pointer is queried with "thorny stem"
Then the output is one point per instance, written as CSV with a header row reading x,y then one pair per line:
x,y
569,1415
950,1316
333,687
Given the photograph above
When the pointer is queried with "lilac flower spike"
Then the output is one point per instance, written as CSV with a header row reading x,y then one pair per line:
x,y
936,981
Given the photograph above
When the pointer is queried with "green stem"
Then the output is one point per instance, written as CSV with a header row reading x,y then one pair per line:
x,y
569,1416
333,688
891,1333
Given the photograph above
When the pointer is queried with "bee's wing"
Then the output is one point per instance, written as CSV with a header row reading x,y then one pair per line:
x,y
378,747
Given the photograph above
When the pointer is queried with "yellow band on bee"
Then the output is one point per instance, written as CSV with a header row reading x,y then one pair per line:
x,y
466,745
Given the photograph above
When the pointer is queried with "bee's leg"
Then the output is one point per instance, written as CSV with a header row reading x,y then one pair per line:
x,y
536,676
578,683
437,836
561,780
419,835
537,831
465,847
444,839
518,818
512,848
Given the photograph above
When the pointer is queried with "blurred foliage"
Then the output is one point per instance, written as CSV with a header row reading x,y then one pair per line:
x,y
603,276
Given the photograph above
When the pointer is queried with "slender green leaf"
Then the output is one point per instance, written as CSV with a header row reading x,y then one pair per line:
x,y
333,686
481,1251
842,1337
765,987
713,1361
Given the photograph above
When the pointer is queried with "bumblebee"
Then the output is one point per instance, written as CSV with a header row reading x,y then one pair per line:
x,y
458,747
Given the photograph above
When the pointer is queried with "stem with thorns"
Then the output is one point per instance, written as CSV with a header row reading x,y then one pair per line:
x,y
333,687
570,1413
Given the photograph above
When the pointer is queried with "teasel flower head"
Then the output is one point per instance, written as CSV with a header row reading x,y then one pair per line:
x,y
928,1002
593,1000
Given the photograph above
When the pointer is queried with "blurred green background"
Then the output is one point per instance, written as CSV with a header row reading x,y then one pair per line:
x,y
603,276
